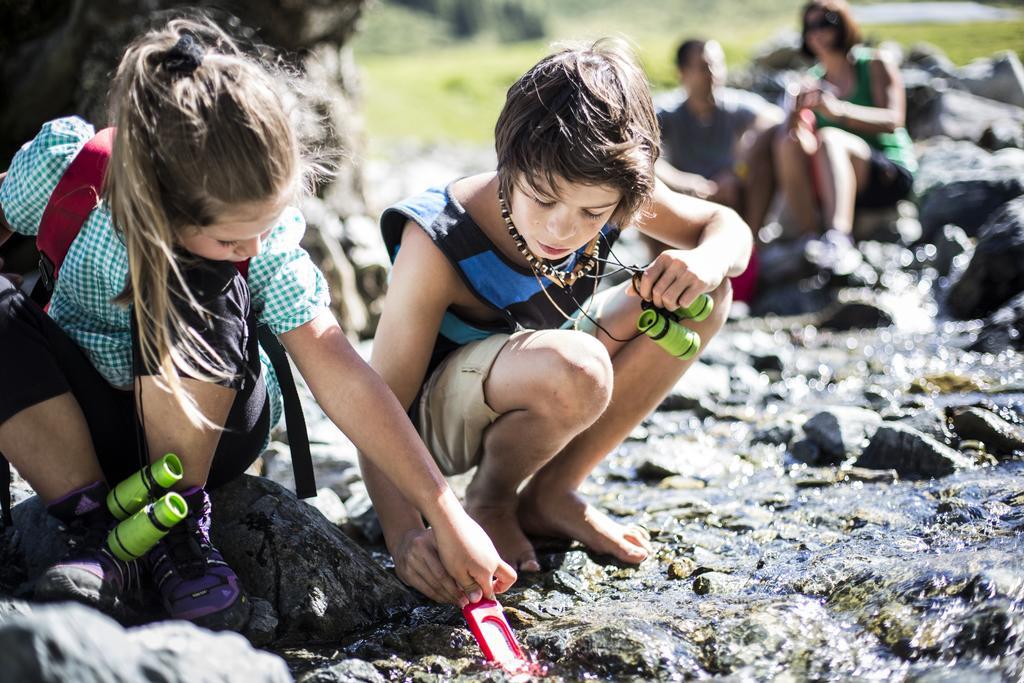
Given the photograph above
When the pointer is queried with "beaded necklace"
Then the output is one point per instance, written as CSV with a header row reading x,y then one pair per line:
x,y
585,263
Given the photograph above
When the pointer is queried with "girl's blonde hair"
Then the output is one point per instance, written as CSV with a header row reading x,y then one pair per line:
x,y
201,127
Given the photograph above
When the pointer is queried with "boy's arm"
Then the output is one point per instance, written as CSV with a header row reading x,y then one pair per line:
x,y
711,242
363,406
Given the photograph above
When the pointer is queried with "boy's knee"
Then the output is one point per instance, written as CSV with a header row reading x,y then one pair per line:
x,y
576,378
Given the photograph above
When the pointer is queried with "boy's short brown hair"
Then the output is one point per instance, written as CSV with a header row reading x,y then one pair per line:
x,y
581,115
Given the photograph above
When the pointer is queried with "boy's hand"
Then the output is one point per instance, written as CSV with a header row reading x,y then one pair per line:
x,y
418,565
470,559
678,276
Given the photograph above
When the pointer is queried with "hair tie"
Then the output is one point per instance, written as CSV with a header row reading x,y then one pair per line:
x,y
185,57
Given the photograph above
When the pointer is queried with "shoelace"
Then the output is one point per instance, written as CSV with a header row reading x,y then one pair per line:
x,y
188,549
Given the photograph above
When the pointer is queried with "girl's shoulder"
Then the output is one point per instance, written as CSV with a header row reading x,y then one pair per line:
x,y
37,168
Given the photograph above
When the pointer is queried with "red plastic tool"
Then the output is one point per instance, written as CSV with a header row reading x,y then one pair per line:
x,y
490,628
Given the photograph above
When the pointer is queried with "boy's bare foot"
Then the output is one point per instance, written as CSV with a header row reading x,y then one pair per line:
x,y
565,514
501,524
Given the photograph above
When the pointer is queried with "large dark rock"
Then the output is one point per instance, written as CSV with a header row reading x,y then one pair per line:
x,y
841,432
994,275
317,584
1004,329
69,642
321,584
912,454
999,436
961,184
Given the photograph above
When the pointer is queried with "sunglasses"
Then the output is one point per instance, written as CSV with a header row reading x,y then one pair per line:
x,y
828,20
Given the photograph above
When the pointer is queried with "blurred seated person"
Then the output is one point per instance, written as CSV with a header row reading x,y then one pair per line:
x,y
716,142
843,144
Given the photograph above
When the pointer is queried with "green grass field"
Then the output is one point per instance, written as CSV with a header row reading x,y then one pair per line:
x,y
454,93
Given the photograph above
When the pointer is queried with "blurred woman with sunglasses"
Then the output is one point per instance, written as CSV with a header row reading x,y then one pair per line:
x,y
844,144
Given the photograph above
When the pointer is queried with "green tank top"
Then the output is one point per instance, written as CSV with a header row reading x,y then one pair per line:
x,y
896,145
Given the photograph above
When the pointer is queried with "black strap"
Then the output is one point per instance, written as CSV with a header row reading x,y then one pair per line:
x,y
5,492
298,438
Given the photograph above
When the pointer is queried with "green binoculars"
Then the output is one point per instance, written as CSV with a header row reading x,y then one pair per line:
x,y
664,329
147,484
135,536
147,512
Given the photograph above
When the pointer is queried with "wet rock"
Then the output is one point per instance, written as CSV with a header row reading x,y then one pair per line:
x,y
806,451
70,642
911,453
1004,329
321,585
962,184
681,568
717,583
345,671
950,245
929,422
701,382
841,432
999,436
619,647
774,435
854,315
994,275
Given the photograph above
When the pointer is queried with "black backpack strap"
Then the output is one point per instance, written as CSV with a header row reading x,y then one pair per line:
x,y
298,437
5,492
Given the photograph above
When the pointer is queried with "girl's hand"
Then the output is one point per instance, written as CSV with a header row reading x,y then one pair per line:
x,y
828,105
677,277
418,565
470,559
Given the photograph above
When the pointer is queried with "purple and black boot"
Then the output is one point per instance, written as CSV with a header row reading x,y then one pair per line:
x,y
193,579
89,573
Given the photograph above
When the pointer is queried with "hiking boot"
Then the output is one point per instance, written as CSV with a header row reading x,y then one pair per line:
x,y
89,573
194,581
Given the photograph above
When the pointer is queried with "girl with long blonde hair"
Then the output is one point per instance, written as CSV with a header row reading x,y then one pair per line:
x,y
149,345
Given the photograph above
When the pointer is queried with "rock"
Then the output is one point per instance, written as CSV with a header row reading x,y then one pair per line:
x,y
806,451
617,647
774,435
952,245
931,58
999,436
959,115
70,642
345,671
853,315
962,184
1004,329
681,568
912,454
321,585
841,433
330,506
994,275
999,77
718,583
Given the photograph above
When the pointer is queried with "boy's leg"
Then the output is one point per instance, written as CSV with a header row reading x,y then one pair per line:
x,y
643,374
547,386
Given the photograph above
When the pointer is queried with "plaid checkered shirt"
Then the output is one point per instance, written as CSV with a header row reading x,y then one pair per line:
x,y
287,289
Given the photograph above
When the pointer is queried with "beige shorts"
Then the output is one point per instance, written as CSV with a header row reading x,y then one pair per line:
x,y
453,413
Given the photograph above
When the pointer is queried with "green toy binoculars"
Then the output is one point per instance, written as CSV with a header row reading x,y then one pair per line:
x,y
663,326
146,515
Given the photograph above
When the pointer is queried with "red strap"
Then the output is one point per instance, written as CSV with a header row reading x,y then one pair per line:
x,y
76,195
